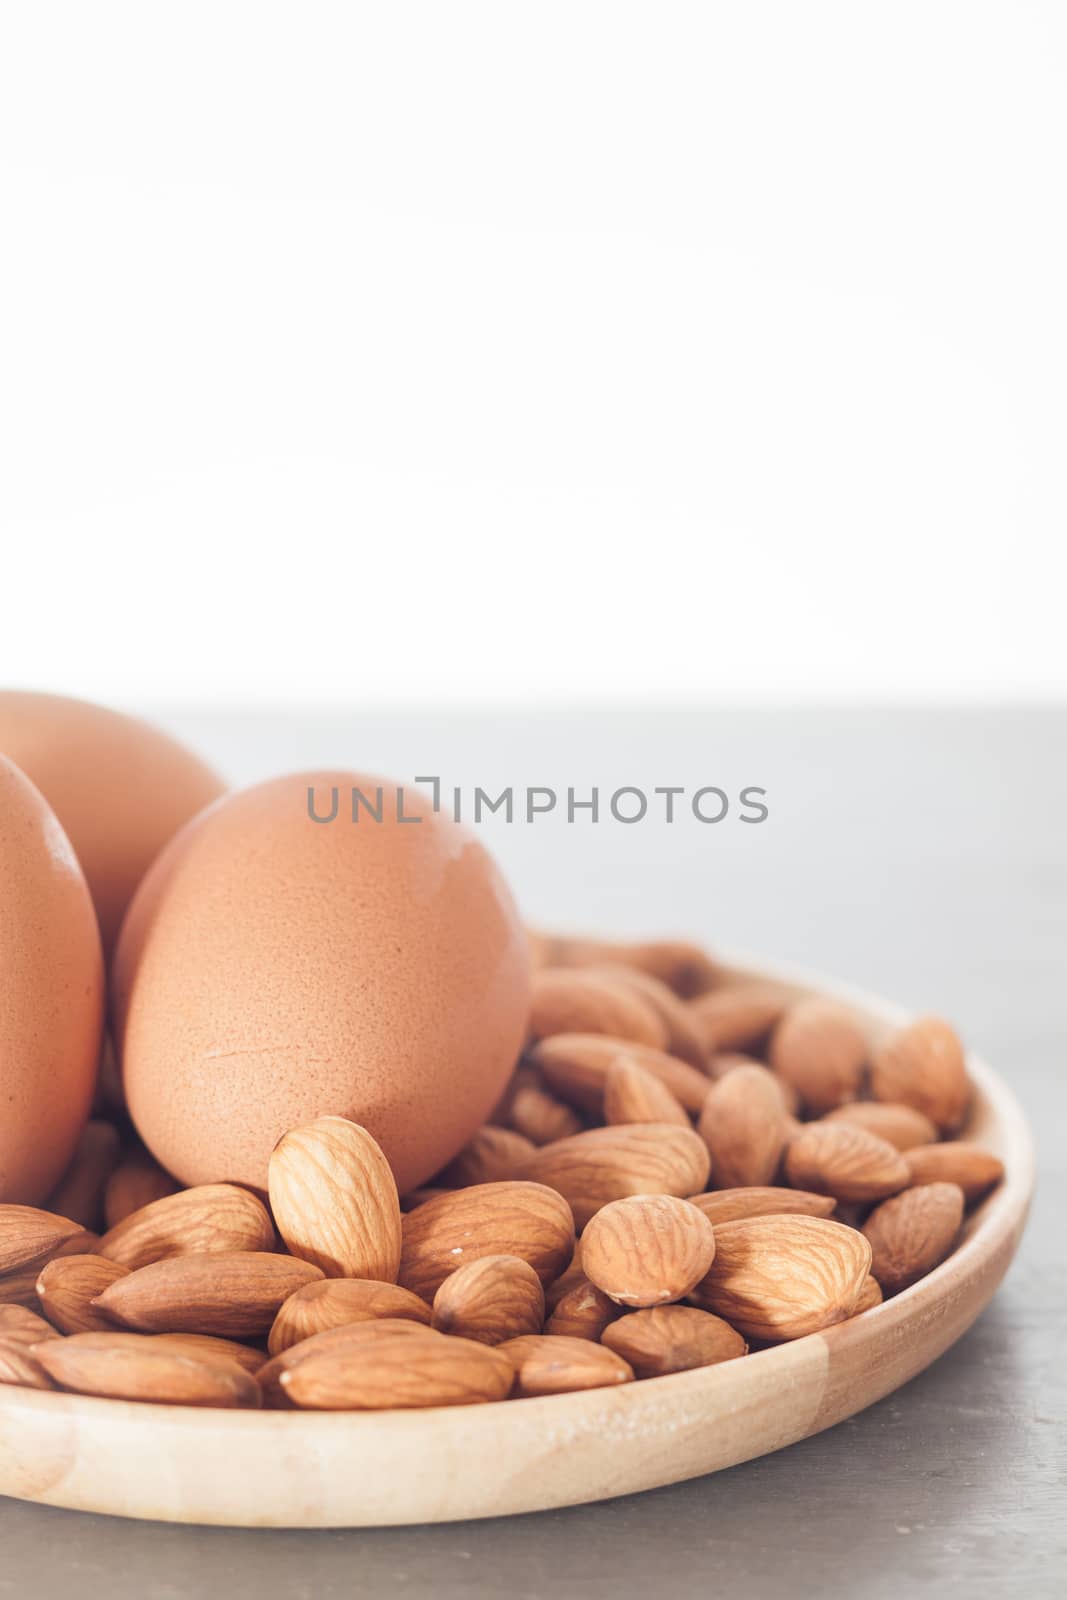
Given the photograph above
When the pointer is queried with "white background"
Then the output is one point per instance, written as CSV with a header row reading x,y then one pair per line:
x,y
489,352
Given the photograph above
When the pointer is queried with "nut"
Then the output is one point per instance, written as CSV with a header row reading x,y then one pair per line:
x,y
547,1363
576,1066
633,1094
529,1220
733,1205
338,1302
564,1000
490,1300
426,1369
841,1159
590,1169
234,1296
783,1277
128,1366
743,1125
901,1126
923,1066
647,1250
911,1233
209,1217
974,1169
818,1048
67,1287
334,1199
673,1339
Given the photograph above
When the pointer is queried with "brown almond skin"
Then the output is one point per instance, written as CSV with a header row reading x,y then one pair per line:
x,y
23,1326
583,1312
206,1347
529,1220
130,1367
901,1126
870,1295
19,1364
647,1250
673,1339
848,1162
491,1156
911,1233
345,1337
733,1205
974,1169
683,1037
720,1066
743,1125
234,1296
68,1285
632,1094
135,1183
923,1065
496,1298
565,1000
335,1201
212,1217
79,1194
28,1236
575,1066
604,1164
783,1277
568,1279
738,1018
820,1050
427,1369
538,1115
682,966
338,1302
551,1364
20,1288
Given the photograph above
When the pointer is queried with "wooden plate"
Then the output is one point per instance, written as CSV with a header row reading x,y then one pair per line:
x,y
274,1469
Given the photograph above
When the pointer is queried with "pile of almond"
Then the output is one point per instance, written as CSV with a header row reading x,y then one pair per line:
x,y
682,1169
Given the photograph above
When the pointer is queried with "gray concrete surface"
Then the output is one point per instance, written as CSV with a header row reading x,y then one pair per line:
x,y
923,855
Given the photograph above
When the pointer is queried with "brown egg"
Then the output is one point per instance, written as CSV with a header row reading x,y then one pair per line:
x,y
119,787
273,969
51,994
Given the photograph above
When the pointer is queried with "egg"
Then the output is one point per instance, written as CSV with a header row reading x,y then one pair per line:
x,y
51,994
119,787
274,968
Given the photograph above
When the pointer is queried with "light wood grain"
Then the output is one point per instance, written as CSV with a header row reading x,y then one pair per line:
x,y
286,1470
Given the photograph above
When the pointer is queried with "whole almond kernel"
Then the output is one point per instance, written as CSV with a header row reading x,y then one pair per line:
x,y
632,1094
523,1219
23,1326
733,1205
575,1066
901,1126
553,1364
782,1277
564,1000
336,1302
206,1347
974,1169
345,1337
68,1285
673,1339
80,1192
491,1156
583,1312
870,1295
911,1233
539,1116
820,1050
683,1037
729,1060
841,1159
20,1288
604,1164
400,1373
207,1218
490,1300
923,1066
738,1018
682,966
127,1366
743,1125
19,1364
235,1296
334,1199
135,1183
647,1250
29,1236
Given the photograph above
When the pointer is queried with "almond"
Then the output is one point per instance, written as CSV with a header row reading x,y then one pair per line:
x,y
683,967
733,1205
19,1364
490,1156
135,1183
336,1302
208,1218
529,1220
552,1364
739,1018
80,1192
683,1037
820,1050
923,1066
673,1339
590,1169
493,1299
911,1233
418,1197
743,1125
583,1312
349,1334
729,1061
848,1162
68,1285
206,1347
567,1280
127,1366
568,1001
782,1277
901,1126
632,1094
538,1115
334,1199
576,1066
648,1249
234,1296
24,1326
870,1295
428,1369
29,1236
20,1288
974,1169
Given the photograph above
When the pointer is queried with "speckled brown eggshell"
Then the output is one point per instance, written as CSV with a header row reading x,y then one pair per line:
x,y
120,788
51,994
273,969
